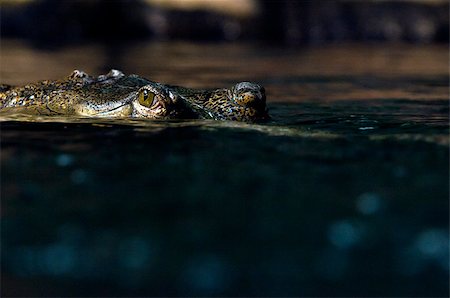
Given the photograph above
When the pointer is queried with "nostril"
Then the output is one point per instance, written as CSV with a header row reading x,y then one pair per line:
x,y
248,97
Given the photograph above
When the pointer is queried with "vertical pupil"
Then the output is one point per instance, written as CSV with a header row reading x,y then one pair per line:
x,y
145,94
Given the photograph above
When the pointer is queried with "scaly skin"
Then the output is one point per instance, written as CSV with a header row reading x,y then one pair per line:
x,y
116,95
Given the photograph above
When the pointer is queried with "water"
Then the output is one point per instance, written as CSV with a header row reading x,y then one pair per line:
x,y
343,193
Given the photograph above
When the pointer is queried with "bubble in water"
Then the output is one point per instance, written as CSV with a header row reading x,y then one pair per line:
x,y
58,259
368,203
64,160
343,234
433,243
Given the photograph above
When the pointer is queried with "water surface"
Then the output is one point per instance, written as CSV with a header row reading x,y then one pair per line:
x,y
344,192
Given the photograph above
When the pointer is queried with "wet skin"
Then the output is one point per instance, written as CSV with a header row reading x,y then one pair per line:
x,y
116,95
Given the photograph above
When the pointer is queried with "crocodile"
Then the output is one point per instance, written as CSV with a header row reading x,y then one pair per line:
x,y
116,95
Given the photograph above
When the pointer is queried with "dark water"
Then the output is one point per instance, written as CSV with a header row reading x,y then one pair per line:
x,y
343,193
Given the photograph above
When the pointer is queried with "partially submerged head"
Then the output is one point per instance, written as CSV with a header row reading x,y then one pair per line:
x,y
249,94
244,101
252,97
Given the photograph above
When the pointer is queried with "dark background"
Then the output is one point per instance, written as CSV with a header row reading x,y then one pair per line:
x,y
50,23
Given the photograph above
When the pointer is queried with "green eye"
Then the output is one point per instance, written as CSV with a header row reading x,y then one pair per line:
x,y
146,98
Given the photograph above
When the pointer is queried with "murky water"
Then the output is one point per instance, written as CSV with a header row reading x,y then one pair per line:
x,y
344,192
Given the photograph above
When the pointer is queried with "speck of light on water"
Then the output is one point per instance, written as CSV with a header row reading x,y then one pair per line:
x,y
433,243
430,246
368,203
53,259
59,259
64,160
343,234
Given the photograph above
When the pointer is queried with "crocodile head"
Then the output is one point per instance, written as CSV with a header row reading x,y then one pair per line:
x,y
116,95
244,101
252,97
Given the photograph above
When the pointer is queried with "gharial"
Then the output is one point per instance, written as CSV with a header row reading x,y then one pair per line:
x,y
116,95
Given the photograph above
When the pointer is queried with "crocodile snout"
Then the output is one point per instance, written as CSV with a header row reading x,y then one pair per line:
x,y
249,95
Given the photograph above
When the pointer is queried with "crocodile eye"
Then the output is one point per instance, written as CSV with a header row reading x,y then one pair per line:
x,y
146,98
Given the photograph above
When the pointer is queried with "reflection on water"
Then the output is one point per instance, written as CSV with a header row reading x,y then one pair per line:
x,y
343,192
424,120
